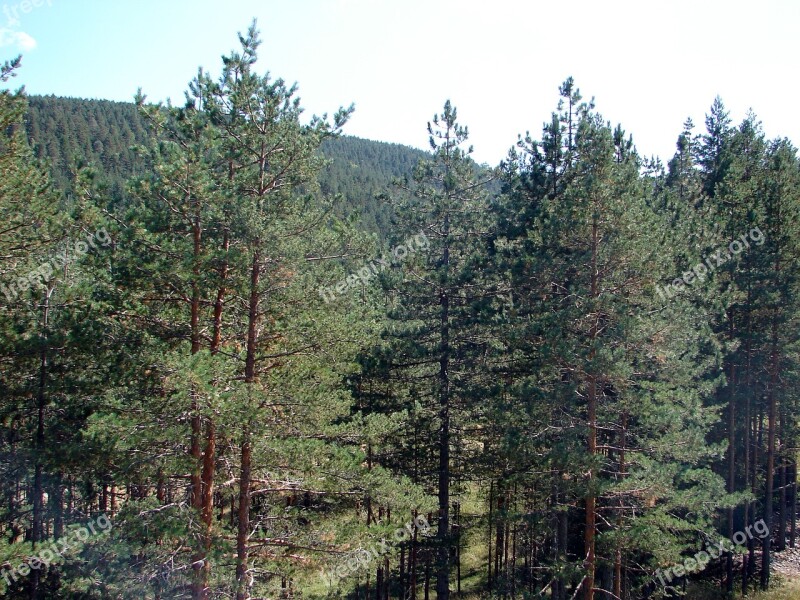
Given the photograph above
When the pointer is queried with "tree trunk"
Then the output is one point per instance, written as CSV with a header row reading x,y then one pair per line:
x,y
771,426
622,468
196,421
58,500
427,590
207,514
748,507
243,532
402,572
731,468
413,560
457,528
758,435
219,303
591,500
209,452
387,575
793,522
591,508
489,538
41,406
498,536
784,484
749,474
443,530
513,570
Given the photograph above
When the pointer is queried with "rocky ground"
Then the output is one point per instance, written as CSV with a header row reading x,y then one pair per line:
x,y
785,584
786,576
787,563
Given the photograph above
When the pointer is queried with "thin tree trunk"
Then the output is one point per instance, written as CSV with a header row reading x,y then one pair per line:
x,y
784,484
506,539
427,591
758,434
219,303
513,570
413,560
196,494
387,572
498,539
209,452
591,500
457,534
41,406
622,473
563,545
793,522
209,462
749,474
402,571
748,507
243,531
731,467
58,501
771,426
489,540
443,531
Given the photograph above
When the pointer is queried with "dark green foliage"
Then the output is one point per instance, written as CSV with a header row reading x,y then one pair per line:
x,y
361,171
66,131
71,131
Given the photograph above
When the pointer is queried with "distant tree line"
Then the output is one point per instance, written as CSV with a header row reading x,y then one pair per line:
x,y
70,133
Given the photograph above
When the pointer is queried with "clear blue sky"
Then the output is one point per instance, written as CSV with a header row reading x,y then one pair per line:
x,y
649,64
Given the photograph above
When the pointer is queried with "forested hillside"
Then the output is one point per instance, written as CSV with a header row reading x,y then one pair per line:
x,y
570,376
70,132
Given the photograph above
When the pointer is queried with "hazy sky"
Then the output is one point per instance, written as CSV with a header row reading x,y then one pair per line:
x,y
648,64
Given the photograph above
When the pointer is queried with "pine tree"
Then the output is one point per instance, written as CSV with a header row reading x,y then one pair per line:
x,y
435,295
184,233
595,343
780,252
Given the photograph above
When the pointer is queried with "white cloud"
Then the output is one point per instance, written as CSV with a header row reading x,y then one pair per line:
x,y
20,39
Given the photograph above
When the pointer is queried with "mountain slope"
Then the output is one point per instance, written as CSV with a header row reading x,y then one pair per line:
x,y
65,131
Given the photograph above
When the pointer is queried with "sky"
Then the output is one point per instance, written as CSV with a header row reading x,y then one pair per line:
x,y
649,64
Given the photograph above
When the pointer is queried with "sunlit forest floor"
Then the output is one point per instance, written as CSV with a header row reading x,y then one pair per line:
x,y
784,589
785,581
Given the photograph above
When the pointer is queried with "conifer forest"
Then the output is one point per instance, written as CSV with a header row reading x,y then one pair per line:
x,y
245,355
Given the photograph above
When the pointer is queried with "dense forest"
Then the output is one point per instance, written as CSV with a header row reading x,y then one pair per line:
x,y
70,132
243,355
